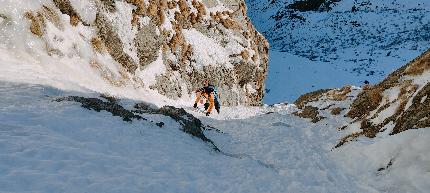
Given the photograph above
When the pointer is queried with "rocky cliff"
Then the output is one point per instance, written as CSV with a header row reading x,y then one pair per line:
x,y
167,46
398,103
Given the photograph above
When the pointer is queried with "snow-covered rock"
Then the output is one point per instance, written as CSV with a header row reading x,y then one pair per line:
x,y
134,47
397,104
378,134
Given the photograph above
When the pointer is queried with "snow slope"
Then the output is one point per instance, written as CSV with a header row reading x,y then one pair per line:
x,y
359,46
46,146
49,146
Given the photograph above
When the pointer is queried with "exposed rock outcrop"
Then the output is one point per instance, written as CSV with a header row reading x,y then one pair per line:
x,y
310,104
113,43
397,104
99,105
312,5
66,8
148,44
403,95
190,124
310,112
187,40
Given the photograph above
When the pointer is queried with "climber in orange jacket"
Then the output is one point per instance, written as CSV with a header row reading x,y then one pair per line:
x,y
210,92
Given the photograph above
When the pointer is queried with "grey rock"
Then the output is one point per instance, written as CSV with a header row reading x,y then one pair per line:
x,y
113,43
210,3
148,44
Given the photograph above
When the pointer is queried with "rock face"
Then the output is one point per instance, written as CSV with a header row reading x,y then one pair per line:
x,y
398,103
186,41
309,104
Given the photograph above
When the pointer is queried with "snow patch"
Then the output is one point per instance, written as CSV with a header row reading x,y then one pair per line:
x,y
145,20
388,112
219,8
408,152
387,129
206,50
251,88
420,80
392,94
423,99
150,72
86,9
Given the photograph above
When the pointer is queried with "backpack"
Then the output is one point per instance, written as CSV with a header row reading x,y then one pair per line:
x,y
215,93
212,88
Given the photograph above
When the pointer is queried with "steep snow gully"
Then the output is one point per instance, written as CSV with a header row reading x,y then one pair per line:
x,y
49,144
52,145
71,124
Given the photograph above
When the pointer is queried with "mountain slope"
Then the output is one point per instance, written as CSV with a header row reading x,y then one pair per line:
x,y
51,145
53,139
398,103
384,134
64,147
359,40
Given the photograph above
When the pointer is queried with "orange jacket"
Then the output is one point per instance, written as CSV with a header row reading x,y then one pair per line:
x,y
209,97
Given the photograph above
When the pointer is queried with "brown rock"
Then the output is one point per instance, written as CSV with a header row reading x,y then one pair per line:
x,y
113,43
37,23
336,110
66,8
310,112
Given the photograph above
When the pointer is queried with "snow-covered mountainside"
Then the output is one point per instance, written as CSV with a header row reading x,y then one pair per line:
x,y
96,95
62,141
135,48
356,40
397,104
381,117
